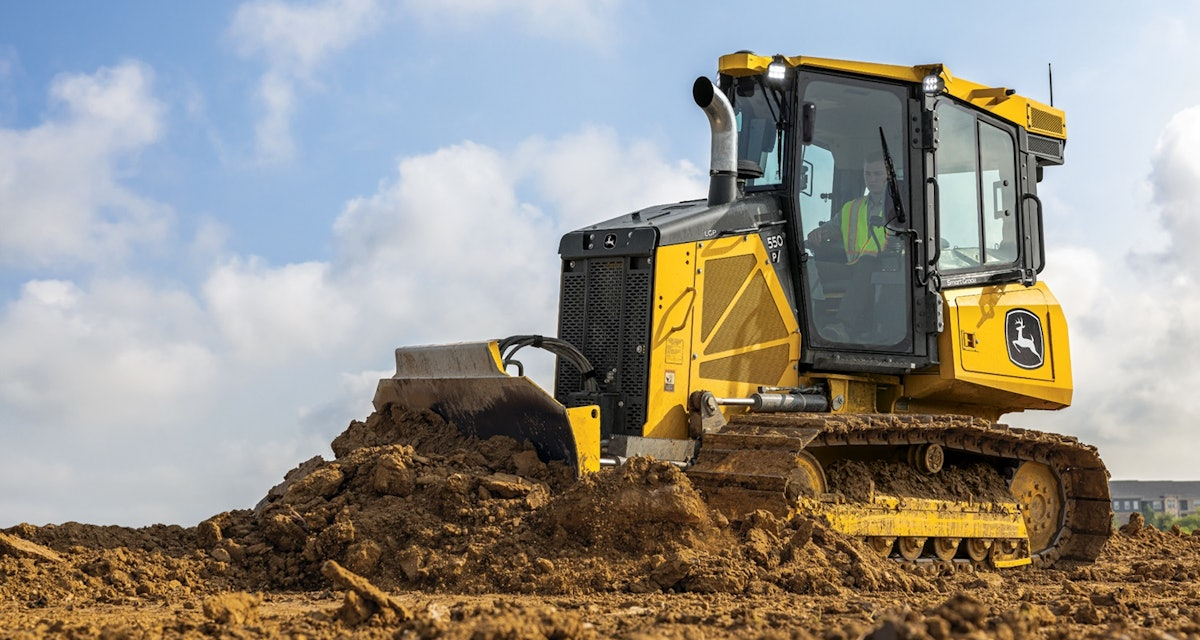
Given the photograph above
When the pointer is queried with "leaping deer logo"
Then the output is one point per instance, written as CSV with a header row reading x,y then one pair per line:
x,y
1023,341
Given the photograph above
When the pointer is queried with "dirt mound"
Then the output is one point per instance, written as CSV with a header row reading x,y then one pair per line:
x,y
410,503
416,524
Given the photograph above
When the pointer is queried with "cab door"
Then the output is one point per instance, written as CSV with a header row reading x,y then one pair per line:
x,y
859,296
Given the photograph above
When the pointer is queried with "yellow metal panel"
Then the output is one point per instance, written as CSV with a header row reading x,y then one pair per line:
x,y
748,64
891,71
755,336
891,516
673,317
975,367
851,394
585,424
983,346
743,64
748,340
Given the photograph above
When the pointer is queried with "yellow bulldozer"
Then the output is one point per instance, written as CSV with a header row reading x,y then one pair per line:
x,y
834,331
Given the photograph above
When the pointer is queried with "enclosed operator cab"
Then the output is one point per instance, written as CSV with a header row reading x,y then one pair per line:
x,y
928,189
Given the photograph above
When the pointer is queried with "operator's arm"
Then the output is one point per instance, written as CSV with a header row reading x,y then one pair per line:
x,y
827,237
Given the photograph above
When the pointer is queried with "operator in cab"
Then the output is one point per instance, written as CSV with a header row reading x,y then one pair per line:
x,y
858,228
858,237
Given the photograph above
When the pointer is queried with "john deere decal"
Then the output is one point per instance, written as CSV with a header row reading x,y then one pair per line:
x,y
1023,332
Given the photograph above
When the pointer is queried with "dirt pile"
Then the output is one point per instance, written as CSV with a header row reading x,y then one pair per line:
x,y
410,527
408,503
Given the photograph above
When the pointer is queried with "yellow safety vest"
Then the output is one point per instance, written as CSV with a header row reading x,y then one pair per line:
x,y
857,232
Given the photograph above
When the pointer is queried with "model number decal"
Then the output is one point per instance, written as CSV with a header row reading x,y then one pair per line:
x,y
774,246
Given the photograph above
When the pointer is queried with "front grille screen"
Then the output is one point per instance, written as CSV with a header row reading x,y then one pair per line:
x,y
764,367
753,321
605,312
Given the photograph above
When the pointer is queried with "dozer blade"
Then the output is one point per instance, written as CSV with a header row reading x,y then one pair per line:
x,y
465,384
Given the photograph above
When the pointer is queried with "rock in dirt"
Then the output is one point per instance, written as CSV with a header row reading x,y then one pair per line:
x,y
21,548
363,599
1136,522
233,609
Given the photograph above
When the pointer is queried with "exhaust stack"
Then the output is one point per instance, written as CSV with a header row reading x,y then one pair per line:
x,y
722,184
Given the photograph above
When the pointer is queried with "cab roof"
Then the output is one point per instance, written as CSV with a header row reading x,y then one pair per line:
x,y
1030,114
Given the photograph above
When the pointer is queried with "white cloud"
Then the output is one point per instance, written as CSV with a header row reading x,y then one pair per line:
x,y
1176,177
450,251
118,355
450,217
61,199
446,251
8,61
272,315
591,176
295,41
273,132
209,239
350,398
590,21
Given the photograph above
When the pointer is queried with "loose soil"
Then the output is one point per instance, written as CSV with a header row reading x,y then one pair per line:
x,y
413,531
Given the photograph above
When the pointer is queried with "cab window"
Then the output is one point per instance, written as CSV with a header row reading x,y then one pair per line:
x,y
977,183
759,139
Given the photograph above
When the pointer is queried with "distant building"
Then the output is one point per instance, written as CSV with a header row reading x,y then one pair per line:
x,y
1175,498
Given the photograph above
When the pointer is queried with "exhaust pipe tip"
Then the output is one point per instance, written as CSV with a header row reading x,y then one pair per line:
x,y
722,185
703,91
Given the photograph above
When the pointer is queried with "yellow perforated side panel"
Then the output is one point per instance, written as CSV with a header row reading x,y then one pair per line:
x,y
762,367
753,320
754,340
722,279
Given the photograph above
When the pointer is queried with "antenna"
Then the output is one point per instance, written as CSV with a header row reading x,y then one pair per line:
x,y
1050,71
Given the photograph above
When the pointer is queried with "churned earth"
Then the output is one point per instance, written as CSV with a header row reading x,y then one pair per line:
x,y
412,531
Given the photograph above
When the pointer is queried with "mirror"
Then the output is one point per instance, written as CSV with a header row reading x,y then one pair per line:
x,y
808,122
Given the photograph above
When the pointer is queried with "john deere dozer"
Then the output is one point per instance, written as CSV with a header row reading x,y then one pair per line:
x,y
859,286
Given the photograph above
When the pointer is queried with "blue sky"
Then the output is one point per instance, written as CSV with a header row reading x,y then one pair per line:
x,y
220,218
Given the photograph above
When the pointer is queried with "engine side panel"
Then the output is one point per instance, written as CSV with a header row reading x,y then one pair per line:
x,y
722,322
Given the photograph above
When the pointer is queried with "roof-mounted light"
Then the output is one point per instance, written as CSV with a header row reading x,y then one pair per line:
x,y
933,84
777,71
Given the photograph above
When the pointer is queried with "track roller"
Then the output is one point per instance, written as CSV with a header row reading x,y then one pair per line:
x,y
978,549
910,548
945,548
927,458
882,546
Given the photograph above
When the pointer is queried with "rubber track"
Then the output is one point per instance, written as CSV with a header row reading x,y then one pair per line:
x,y
1087,522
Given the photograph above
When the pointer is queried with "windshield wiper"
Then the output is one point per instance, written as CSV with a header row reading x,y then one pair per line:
x,y
893,186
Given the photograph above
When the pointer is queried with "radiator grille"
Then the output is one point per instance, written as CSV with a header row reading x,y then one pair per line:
x,y
605,312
